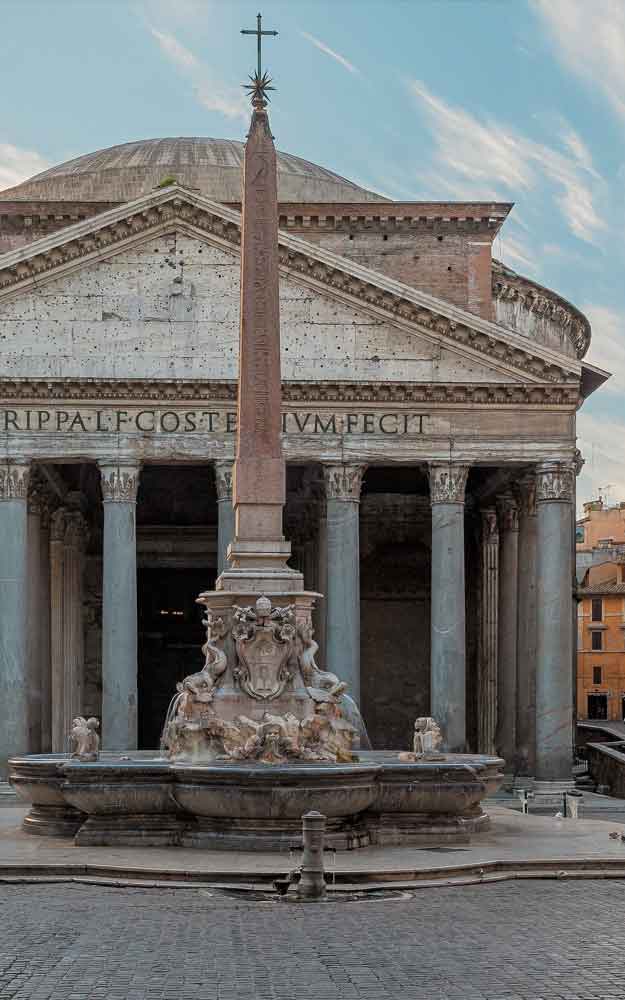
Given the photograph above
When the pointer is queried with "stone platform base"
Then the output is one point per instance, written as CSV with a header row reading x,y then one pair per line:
x,y
130,830
53,821
409,830
276,835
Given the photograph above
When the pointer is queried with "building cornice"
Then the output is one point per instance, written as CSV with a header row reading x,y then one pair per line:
x,y
510,286
169,391
462,332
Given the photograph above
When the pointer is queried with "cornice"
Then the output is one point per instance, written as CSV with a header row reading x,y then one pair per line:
x,y
202,391
394,217
510,286
379,295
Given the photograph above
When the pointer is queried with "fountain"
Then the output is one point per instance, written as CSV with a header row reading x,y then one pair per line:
x,y
260,735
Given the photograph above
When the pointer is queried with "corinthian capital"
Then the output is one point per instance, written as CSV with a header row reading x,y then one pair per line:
x,y
447,482
14,478
119,483
343,482
223,479
555,481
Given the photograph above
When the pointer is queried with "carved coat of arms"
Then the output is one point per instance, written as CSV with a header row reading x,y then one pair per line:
x,y
264,638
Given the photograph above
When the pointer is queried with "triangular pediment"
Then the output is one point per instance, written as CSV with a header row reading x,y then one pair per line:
x,y
394,332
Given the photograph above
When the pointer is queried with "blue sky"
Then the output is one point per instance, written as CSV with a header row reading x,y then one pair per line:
x,y
519,100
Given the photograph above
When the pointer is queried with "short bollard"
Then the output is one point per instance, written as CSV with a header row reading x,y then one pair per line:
x,y
524,795
571,804
312,883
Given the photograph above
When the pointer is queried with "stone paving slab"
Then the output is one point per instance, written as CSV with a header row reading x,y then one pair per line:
x,y
513,941
514,840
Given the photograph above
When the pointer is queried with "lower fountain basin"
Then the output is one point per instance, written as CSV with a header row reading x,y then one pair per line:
x,y
260,807
139,798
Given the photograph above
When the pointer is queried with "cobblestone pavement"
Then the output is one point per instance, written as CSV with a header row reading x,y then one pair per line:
x,y
505,941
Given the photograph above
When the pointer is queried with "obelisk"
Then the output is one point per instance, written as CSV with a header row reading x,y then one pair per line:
x,y
259,548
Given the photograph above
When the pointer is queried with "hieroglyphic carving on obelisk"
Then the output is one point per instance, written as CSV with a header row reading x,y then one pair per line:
x,y
259,471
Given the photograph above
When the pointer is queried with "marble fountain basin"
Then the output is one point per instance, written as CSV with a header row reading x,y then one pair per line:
x,y
139,798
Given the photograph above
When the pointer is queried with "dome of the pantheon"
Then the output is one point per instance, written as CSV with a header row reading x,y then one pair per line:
x,y
213,166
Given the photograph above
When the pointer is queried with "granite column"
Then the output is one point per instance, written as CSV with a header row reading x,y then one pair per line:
x,y
321,609
119,607
343,484
526,629
34,611
225,512
73,626
554,597
13,603
44,633
57,658
507,630
487,676
448,628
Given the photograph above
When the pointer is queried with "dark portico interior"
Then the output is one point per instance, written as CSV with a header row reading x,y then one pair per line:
x,y
177,514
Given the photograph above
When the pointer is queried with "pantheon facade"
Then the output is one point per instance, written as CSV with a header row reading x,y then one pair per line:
x,y
429,406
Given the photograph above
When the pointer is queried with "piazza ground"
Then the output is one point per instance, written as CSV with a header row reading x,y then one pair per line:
x,y
512,941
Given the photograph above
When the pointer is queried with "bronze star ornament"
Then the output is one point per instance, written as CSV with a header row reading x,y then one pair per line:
x,y
258,88
260,81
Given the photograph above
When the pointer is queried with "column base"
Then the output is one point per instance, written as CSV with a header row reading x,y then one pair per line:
x,y
549,794
524,781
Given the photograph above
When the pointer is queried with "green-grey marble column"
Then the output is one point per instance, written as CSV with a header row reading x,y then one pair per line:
x,y
74,543
487,671
13,603
119,607
225,512
57,622
34,614
526,628
321,608
448,629
45,610
343,483
554,595
507,630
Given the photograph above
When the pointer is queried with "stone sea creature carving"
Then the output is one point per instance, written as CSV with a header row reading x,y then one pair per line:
x,y
85,739
264,638
321,685
426,741
200,687
327,731
274,740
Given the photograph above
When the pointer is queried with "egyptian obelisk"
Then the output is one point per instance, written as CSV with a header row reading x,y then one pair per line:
x,y
259,549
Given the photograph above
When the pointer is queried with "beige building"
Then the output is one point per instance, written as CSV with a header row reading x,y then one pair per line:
x,y
430,399
601,612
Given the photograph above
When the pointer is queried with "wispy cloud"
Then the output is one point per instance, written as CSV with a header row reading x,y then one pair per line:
x,y
589,37
17,165
601,427
599,439
471,153
516,253
608,345
330,52
210,93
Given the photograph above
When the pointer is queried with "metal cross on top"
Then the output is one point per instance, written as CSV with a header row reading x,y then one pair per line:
x,y
259,33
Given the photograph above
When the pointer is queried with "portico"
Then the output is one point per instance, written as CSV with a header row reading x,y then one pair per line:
x,y
392,537
417,433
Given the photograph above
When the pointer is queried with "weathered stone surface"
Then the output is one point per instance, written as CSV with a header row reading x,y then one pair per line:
x,y
252,806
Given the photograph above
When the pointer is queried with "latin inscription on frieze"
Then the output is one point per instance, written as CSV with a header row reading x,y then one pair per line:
x,y
157,420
